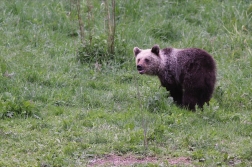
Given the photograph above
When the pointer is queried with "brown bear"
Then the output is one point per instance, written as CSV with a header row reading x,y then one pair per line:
x,y
188,74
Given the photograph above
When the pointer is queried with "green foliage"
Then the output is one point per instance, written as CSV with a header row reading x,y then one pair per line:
x,y
249,10
12,106
3,66
158,133
159,102
166,32
100,43
97,51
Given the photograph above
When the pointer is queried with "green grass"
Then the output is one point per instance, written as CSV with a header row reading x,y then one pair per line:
x,y
58,111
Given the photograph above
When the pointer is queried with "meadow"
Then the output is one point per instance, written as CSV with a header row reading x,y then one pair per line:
x,y
62,105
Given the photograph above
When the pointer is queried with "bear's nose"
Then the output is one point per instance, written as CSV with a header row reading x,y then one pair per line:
x,y
139,67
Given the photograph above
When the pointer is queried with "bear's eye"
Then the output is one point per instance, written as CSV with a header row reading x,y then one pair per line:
x,y
138,60
147,60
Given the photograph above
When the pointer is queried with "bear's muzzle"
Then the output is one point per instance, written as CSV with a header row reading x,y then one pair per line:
x,y
140,69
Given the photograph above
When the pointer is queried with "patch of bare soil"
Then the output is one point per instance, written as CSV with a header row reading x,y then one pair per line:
x,y
129,160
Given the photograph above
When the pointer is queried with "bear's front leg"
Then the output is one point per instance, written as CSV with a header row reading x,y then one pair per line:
x,y
177,94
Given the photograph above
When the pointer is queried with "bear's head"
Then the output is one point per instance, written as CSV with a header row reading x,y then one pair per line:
x,y
148,61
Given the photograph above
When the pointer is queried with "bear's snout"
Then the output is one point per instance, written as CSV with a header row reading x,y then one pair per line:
x,y
140,69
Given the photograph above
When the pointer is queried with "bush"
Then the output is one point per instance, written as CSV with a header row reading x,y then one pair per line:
x,y
12,106
97,51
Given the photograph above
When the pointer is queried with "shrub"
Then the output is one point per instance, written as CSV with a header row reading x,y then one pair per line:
x,y
12,106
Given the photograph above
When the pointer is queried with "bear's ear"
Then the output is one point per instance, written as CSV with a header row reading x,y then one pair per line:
x,y
136,51
155,49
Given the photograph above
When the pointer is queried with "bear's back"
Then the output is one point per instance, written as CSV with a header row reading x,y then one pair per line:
x,y
194,59
181,63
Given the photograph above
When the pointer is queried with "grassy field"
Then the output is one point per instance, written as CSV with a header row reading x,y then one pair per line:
x,y
56,110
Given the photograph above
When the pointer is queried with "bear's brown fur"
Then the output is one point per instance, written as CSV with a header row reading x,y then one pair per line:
x,y
189,74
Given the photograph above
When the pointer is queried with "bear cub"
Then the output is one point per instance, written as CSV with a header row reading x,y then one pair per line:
x,y
188,74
